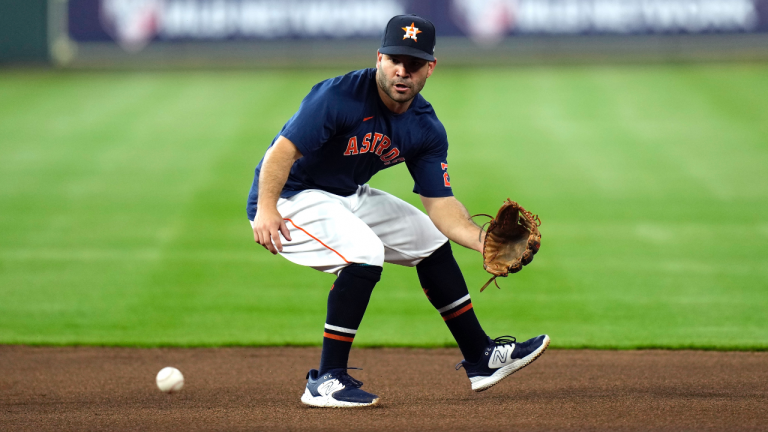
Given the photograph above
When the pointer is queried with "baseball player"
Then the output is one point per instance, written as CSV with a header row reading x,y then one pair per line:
x,y
310,203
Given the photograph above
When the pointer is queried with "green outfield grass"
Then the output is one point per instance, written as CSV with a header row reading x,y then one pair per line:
x,y
122,208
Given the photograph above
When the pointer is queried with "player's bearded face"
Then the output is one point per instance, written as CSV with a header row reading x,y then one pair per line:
x,y
402,77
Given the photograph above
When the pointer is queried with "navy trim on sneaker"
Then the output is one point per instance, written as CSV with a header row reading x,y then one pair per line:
x,y
336,389
502,357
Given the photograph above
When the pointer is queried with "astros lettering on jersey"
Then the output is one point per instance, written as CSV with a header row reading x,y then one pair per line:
x,y
346,135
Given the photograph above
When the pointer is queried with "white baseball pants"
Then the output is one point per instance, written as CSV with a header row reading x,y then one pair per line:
x,y
371,227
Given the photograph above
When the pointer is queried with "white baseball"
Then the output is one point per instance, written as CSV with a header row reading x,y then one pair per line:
x,y
170,380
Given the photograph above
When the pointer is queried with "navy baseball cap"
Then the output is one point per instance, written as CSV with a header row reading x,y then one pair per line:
x,y
409,35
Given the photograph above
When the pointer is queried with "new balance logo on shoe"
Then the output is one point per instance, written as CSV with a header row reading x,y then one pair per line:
x,y
329,387
499,357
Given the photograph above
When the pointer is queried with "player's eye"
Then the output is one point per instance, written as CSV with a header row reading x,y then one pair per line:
x,y
414,66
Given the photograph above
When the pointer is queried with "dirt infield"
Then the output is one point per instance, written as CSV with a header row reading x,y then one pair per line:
x,y
259,389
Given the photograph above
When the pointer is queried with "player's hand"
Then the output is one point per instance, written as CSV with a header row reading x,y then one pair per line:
x,y
265,230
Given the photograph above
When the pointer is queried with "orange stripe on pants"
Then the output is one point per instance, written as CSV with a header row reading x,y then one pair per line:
x,y
318,240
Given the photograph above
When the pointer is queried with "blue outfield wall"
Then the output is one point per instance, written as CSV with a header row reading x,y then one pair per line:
x,y
136,26
133,23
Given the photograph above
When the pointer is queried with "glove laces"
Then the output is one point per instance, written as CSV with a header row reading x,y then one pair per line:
x,y
480,238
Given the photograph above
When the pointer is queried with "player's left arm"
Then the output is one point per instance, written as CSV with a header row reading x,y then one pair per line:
x,y
452,219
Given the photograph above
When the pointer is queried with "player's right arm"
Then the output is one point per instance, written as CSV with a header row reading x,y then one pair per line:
x,y
274,173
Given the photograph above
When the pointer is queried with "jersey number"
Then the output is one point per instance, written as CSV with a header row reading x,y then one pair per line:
x,y
446,177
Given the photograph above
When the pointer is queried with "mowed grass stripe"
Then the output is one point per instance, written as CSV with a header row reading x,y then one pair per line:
x,y
123,217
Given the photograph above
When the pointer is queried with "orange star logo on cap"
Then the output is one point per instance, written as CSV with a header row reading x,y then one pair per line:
x,y
411,32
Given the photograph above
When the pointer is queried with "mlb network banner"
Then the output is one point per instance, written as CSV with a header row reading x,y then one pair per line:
x,y
134,24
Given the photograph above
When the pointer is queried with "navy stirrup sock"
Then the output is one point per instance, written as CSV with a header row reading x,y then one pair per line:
x,y
444,285
347,302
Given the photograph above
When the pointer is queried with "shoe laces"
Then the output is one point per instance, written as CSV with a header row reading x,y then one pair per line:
x,y
347,380
504,340
499,341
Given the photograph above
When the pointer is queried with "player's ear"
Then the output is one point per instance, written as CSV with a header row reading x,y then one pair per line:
x,y
431,65
379,57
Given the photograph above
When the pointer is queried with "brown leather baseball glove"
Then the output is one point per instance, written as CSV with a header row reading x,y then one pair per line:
x,y
512,239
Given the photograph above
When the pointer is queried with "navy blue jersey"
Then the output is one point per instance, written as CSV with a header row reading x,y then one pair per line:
x,y
346,135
